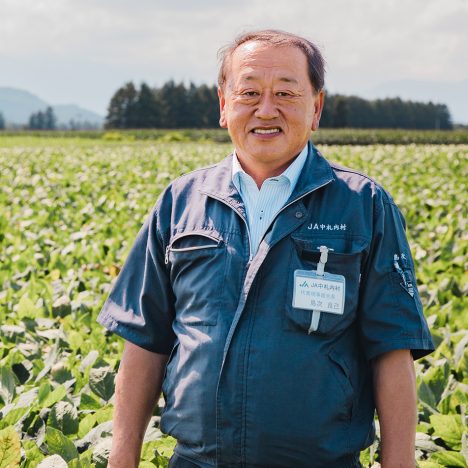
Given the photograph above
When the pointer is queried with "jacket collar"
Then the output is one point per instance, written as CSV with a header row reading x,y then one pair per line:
x,y
315,173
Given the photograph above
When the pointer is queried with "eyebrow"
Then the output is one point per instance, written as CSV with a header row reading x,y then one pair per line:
x,y
283,79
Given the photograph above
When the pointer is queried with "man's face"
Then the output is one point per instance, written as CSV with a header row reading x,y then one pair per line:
x,y
268,103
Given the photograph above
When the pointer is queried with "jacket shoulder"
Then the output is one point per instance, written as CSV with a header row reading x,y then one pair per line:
x,y
197,174
361,182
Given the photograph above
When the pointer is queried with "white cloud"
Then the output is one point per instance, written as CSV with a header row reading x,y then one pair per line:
x,y
107,42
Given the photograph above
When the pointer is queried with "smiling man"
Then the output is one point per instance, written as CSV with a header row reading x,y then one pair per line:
x,y
269,105
272,296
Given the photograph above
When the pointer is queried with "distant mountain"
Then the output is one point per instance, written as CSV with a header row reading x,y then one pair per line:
x,y
17,105
68,112
453,94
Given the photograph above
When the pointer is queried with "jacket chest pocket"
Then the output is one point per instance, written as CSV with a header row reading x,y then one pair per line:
x,y
344,258
197,263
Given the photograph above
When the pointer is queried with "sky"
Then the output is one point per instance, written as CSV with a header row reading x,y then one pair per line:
x,y
82,51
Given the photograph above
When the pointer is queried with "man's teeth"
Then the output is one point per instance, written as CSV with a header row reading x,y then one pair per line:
x,y
266,131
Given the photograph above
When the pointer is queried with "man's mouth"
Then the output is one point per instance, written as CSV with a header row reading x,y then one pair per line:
x,y
266,131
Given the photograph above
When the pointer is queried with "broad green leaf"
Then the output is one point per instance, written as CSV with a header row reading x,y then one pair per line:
x,y
32,454
7,385
147,451
96,434
450,459
156,454
436,380
10,450
461,349
54,396
101,382
464,449
58,444
51,358
165,445
87,402
60,372
365,458
13,417
424,427
80,463
86,424
43,392
75,340
61,307
426,395
429,464
104,414
26,308
146,464
449,428
454,401
64,417
462,367
87,456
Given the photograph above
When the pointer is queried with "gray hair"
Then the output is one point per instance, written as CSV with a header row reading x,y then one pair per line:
x,y
315,60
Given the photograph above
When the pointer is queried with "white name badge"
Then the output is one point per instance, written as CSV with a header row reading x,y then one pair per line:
x,y
320,293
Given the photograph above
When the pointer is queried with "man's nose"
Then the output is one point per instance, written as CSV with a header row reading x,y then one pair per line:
x,y
266,108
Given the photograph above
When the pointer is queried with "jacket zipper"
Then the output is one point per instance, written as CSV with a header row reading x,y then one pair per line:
x,y
188,249
248,233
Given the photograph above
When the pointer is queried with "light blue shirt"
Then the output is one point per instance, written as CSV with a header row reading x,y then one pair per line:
x,y
262,205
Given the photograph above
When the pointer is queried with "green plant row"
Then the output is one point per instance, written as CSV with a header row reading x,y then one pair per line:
x,y
328,136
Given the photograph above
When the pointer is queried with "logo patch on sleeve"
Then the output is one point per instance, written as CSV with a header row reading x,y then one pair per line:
x,y
407,282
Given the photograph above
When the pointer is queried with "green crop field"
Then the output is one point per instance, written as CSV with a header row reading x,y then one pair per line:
x,y
69,212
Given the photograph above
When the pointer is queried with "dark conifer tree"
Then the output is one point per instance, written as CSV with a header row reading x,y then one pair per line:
x,y
121,112
147,108
50,121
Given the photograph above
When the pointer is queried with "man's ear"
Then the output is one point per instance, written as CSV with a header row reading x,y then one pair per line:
x,y
318,107
222,113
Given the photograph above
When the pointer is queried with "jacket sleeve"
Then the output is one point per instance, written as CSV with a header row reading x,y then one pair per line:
x,y
140,306
390,310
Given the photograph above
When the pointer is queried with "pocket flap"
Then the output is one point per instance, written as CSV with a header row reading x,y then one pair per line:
x,y
343,245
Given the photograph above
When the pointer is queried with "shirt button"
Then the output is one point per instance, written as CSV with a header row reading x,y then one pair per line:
x,y
299,214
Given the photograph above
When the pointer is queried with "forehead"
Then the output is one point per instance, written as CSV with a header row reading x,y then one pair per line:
x,y
253,60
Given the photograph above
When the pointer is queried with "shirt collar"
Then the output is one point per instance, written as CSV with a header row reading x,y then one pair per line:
x,y
218,182
291,173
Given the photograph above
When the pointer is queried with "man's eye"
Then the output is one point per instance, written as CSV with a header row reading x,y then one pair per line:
x,y
283,94
250,93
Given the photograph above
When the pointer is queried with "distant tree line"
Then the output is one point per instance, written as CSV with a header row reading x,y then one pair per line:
x,y
178,106
43,120
47,120
171,106
352,111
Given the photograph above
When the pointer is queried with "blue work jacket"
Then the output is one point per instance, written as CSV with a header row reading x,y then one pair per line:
x,y
247,382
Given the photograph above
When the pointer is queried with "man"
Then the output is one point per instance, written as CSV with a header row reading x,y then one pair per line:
x,y
281,285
